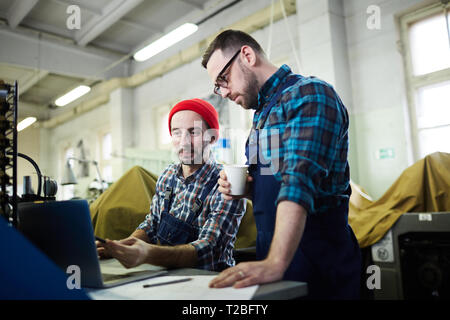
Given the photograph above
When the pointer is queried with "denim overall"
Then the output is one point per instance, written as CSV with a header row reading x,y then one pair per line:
x,y
328,256
173,231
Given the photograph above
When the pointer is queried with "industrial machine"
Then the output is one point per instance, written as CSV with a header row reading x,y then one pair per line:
x,y
8,161
414,258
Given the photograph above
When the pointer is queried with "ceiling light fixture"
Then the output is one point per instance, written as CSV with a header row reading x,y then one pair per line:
x,y
165,41
25,123
72,95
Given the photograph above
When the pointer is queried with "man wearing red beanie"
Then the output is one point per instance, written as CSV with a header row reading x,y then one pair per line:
x,y
207,118
202,107
190,224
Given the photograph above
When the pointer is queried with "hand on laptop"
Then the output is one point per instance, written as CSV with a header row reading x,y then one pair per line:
x,y
130,252
101,250
104,253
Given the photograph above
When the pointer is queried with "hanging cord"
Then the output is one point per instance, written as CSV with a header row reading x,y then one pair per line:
x,y
269,42
297,60
448,24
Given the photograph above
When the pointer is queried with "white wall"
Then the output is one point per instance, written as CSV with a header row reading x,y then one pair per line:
x,y
323,50
191,81
333,43
85,127
379,94
28,143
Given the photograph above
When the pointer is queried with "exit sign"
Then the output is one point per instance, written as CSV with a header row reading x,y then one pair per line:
x,y
385,153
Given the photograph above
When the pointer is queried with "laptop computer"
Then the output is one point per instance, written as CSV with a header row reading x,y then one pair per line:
x,y
63,231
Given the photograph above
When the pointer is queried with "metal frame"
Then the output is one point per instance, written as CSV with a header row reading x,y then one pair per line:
x,y
391,269
9,155
415,82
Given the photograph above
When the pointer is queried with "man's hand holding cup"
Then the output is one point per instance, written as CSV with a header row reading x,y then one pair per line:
x,y
234,182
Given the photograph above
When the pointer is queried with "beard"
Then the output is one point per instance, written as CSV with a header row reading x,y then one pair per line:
x,y
191,156
250,95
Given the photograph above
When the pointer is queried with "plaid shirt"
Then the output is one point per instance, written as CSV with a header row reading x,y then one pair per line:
x,y
305,136
218,221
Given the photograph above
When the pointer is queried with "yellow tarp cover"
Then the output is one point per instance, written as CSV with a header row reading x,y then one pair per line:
x,y
124,205
422,187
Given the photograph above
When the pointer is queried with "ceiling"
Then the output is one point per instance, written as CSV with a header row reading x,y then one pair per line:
x,y
48,57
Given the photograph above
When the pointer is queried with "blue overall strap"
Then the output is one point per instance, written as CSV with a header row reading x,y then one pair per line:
x,y
253,138
291,80
201,200
168,194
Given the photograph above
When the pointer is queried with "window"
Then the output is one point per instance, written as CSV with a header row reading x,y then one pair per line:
x,y
164,134
429,45
105,165
426,43
68,191
161,116
106,146
433,118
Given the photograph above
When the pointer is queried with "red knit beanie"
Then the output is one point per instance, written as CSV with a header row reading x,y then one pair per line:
x,y
202,107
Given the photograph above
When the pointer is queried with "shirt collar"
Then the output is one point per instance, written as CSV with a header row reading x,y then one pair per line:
x,y
268,89
201,175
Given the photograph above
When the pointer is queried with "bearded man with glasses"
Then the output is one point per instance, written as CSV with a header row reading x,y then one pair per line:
x,y
299,174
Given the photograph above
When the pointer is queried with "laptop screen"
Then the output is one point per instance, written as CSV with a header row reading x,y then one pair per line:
x,y
63,231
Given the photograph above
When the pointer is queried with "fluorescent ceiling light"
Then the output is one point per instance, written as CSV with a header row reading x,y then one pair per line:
x,y
165,41
72,95
25,123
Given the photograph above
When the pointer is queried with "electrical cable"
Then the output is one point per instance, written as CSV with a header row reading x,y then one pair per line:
x,y
297,60
217,12
198,23
36,167
448,24
127,56
269,42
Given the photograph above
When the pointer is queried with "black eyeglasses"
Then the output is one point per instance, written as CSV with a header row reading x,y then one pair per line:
x,y
221,81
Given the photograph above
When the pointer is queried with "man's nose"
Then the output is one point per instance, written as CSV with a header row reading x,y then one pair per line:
x,y
225,92
185,138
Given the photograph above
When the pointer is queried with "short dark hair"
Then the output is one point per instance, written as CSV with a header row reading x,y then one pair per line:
x,y
228,41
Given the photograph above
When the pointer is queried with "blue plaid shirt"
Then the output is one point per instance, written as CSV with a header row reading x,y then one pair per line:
x,y
305,136
218,221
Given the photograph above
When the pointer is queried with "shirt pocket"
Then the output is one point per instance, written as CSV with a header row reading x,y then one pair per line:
x,y
271,146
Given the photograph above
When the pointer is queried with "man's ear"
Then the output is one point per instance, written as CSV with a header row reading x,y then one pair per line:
x,y
249,55
210,135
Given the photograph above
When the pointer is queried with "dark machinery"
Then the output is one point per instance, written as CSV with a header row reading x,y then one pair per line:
x,y
8,160
414,258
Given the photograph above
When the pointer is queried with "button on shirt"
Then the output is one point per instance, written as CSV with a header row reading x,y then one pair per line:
x,y
218,220
305,138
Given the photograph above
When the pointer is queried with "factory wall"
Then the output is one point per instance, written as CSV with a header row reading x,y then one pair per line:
x,y
366,68
379,113
191,80
87,128
28,143
332,42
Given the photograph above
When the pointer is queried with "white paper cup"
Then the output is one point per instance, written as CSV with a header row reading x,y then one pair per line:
x,y
237,177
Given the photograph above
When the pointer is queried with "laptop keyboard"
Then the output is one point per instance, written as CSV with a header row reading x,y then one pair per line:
x,y
107,278
112,271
